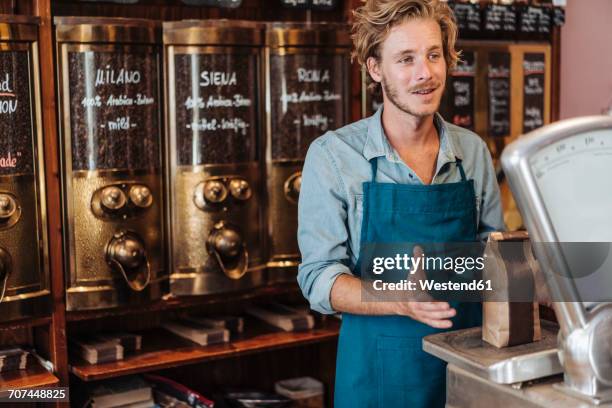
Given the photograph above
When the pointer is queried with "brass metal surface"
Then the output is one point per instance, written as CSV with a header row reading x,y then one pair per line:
x,y
27,288
88,238
292,187
192,226
10,210
213,32
282,213
23,240
106,29
307,34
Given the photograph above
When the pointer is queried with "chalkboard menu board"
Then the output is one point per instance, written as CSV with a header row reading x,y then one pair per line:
x,y
214,3
468,19
307,99
493,18
324,4
533,91
216,108
536,21
558,16
16,130
460,92
114,110
498,84
300,4
500,21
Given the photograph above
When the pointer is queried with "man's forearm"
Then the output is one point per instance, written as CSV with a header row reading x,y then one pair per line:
x,y
346,297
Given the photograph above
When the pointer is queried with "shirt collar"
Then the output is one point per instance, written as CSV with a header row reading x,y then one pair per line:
x,y
377,145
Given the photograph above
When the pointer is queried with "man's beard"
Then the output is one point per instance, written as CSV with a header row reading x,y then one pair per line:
x,y
392,95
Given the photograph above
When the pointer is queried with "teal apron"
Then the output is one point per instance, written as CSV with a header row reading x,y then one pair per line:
x,y
380,360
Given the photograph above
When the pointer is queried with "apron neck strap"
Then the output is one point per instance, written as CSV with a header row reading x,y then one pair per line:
x,y
374,166
460,167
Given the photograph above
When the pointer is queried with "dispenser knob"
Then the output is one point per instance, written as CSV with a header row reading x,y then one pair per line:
x,y
127,250
215,191
293,185
240,189
141,196
227,242
8,206
113,198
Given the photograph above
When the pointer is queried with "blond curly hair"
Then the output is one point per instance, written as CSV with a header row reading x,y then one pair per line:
x,y
374,20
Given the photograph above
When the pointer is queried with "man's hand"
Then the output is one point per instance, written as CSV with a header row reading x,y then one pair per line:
x,y
424,308
434,314
347,292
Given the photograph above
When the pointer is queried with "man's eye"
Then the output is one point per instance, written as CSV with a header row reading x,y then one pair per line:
x,y
406,60
434,56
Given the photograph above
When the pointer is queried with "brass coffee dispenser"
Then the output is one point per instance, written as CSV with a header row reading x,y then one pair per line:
x,y
109,74
308,93
24,274
215,221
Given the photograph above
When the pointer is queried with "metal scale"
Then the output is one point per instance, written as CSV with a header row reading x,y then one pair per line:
x,y
561,177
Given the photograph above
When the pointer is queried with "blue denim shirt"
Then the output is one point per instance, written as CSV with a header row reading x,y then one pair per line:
x,y
330,208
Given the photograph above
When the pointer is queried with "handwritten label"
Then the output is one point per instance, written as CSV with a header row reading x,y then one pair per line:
x,y
468,17
498,81
535,19
533,91
307,100
296,3
494,18
114,111
16,127
216,111
324,4
216,78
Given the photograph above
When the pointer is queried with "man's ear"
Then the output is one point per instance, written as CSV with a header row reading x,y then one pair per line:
x,y
374,69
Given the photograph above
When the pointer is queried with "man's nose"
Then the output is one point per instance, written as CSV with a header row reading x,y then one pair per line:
x,y
423,70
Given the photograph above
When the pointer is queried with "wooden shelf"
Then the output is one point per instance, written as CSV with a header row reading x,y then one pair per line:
x,y
34,377
174,303
25,323
162,349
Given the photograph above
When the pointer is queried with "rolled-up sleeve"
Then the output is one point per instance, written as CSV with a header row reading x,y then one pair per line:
x,y
322,226
491,213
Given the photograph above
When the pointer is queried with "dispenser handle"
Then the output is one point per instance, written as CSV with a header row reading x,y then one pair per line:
x,y
240,269
6,271
4,285
135,284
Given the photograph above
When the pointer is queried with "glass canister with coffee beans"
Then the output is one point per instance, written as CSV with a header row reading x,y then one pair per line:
x,y
111,130
24,272
308,85
213,77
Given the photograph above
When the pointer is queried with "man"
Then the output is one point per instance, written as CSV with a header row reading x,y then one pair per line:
x,y
401,175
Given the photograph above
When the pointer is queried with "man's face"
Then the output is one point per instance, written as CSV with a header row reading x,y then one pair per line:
x,y
412,69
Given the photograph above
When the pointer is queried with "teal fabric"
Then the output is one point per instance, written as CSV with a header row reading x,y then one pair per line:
x,y
380,359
